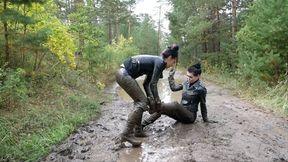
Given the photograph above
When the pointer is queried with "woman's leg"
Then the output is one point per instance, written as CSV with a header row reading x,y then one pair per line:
x,y
173,110
178,112
132,88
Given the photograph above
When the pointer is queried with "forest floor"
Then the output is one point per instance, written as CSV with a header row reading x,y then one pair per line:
x,y
243,132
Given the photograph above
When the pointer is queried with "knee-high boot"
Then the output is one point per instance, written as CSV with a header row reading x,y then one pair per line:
x,y
128,133
139,129
153,117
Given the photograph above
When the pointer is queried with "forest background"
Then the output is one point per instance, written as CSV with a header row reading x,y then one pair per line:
x,y
57,56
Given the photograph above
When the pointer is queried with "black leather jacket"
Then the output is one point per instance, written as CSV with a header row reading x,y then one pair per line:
x,y
192,94
151,66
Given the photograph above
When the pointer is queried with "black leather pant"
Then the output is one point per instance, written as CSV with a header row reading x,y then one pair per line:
x,y
132,88
173,110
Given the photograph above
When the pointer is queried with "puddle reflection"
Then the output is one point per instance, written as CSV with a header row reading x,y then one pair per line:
x,y
131,154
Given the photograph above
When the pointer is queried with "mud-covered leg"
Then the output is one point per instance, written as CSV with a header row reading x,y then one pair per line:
x,y
132,88
178,112
138,127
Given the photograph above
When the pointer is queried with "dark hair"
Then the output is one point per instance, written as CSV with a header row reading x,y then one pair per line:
x,y
195,69
171,51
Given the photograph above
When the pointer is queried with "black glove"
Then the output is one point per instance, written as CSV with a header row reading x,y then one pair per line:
x,y
154,105
172,72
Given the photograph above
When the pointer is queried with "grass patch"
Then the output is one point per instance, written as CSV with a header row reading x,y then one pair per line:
x,y
54,110
29,135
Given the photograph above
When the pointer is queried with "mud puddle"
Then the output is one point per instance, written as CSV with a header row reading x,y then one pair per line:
x,y
243,133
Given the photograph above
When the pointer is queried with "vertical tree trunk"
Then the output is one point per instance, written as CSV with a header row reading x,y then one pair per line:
x,y
218,28
116,34
159,31
110,31
234,23
35,60
24,34
204,43
6,36
129,28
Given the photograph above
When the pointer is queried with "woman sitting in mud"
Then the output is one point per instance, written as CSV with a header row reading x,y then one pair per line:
x,y
194,92
132,68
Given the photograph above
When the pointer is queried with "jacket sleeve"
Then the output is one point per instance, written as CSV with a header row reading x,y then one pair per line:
x,y
158,68
202,95
146,85
173,85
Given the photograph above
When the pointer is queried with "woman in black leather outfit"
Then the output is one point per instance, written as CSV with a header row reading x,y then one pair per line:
x,y
193,94
132,68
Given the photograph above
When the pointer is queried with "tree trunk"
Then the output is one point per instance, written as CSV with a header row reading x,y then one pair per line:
x,y
35,61
110,31
217,31
234,23
129,28
6,37
204,42
116,34
159,31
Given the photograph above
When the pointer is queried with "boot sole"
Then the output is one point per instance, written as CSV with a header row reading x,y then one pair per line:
x,y
134,144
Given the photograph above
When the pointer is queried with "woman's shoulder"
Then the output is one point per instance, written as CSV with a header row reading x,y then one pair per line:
x,y
200,86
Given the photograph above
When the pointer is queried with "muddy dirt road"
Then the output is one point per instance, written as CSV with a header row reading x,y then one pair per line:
x,y
243,133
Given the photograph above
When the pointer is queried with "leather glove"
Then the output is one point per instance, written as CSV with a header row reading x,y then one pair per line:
x,y
154,105
158,104
172,72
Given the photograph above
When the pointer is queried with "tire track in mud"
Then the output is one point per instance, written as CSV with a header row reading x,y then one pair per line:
x,y
243,133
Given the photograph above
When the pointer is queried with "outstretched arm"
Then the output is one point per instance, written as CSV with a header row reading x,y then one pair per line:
x,y
172,83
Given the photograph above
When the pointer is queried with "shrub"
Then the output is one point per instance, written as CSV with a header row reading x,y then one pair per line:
x,y
13,87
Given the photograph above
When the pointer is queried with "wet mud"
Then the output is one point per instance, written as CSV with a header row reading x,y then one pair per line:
x,y
243,132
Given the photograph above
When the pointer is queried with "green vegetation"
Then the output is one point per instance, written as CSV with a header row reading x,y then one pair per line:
x,y
55,60
243,46
57,56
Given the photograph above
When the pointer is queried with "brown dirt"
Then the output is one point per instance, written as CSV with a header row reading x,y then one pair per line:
x,y
244,132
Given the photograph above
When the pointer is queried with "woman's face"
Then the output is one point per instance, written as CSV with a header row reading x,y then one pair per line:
x,y
170,62
192,78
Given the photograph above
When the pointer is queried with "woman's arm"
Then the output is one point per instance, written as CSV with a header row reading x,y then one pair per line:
x,y
147,86
202,95
154,80
172,83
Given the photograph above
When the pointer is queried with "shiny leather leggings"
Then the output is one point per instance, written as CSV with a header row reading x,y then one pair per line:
x,y
132,88
173,110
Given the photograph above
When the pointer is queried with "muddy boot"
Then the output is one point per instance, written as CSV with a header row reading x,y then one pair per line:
x,y
128,134
139,131
150,119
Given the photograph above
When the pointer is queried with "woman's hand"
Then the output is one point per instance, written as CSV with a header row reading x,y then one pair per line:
x,y
154,104
172,72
